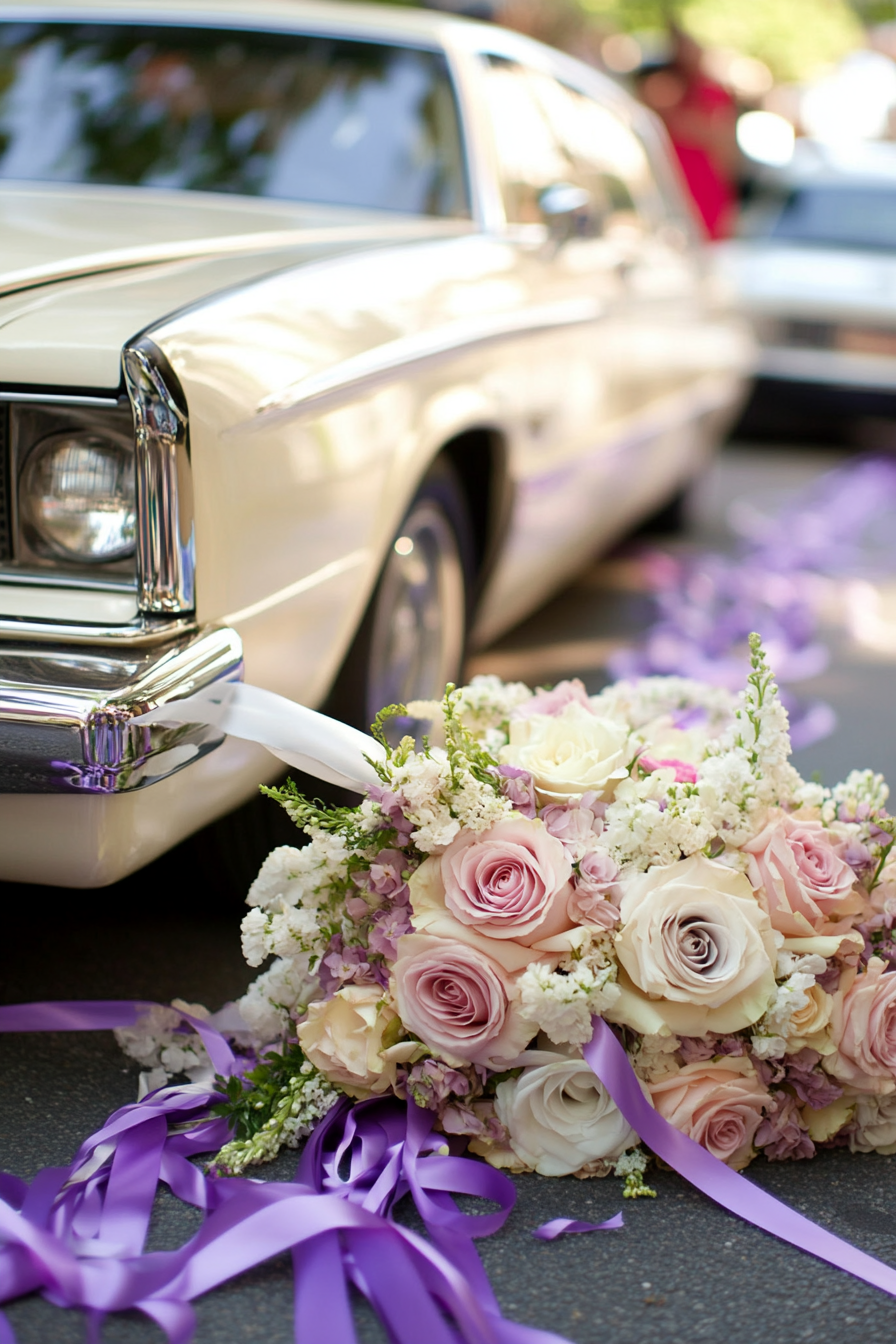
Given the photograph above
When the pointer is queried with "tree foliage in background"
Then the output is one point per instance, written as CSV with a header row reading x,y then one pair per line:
x,y
795,38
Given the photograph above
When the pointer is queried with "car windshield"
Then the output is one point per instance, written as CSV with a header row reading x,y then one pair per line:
x,y
281,115
834,216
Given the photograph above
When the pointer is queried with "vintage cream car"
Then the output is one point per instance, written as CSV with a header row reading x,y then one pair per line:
x,y
330,336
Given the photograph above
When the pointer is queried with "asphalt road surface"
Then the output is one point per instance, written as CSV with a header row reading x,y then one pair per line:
x,y
681,1269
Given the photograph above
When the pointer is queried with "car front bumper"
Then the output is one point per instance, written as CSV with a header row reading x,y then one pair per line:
x,y
66,712
76,806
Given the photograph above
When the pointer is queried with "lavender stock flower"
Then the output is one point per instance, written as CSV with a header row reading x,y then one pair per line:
x,y
782,1133
518,787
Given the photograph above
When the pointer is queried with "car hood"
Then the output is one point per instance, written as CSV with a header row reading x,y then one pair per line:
x,y
82,270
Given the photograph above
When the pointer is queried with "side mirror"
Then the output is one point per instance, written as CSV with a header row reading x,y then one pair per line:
x,y
567,211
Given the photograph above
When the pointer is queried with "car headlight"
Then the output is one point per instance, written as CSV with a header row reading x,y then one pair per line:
x,y
78,496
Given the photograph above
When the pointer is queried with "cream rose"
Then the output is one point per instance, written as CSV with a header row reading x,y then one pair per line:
x,y
696,950
863,1028
343,1037
559,1117
511,882
571,753
808,1026
458,1002
718,1104
661,738
806,886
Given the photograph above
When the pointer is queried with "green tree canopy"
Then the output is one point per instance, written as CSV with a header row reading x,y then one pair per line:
x,y
795,38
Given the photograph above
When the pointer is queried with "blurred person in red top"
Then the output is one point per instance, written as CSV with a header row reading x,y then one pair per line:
x,y
700,117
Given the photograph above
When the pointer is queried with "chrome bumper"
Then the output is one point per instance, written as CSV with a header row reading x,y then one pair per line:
x,y
65,712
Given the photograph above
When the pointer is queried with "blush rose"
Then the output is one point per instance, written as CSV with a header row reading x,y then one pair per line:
x,y
457,1001
806,885
511,882
863,1028
719,1105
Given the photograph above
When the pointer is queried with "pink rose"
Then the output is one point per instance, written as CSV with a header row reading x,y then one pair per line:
x,y
510,882
802,879
589,900
457,1001
863,1028
685,773
554,701
719,1105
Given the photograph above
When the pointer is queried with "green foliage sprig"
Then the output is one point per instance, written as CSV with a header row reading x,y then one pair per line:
x,y
254,1098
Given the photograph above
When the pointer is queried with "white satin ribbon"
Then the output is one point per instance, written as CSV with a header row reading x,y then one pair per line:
x,y
312,742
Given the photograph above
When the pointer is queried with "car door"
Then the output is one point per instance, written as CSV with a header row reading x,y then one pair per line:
x,y
666,338
562,387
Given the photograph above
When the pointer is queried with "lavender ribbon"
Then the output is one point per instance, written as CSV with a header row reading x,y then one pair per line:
x,y
734,1192
564,1227
76,1233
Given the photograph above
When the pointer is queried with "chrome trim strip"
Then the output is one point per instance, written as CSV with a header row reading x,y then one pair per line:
x,y
166,544
381,363
274,240
59,399
135,635
65,715
84,583
331,571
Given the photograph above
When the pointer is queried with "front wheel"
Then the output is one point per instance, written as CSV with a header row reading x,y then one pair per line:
x,y
411,641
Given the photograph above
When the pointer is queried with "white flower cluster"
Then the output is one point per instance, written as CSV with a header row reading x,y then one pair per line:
x,y
639,702
162,1048
278,996
762,730
861,792
488,702
561,1003
440,803
652,822
290,901
281,933
774,1031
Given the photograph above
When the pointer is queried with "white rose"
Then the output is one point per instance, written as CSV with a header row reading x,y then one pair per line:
x,y
696,950
559,1116
875,1119
662,739
570,753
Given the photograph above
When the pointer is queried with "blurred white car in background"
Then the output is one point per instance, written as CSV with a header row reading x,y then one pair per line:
x,y
330,337
815,269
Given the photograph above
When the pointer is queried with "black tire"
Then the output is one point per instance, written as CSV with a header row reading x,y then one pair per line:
x,y
412,639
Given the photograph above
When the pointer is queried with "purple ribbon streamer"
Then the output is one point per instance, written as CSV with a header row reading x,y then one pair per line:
x,y
733,1191
564,1227
105,1015
76,1234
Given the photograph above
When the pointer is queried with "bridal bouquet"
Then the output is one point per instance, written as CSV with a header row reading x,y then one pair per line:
x,y
646,855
